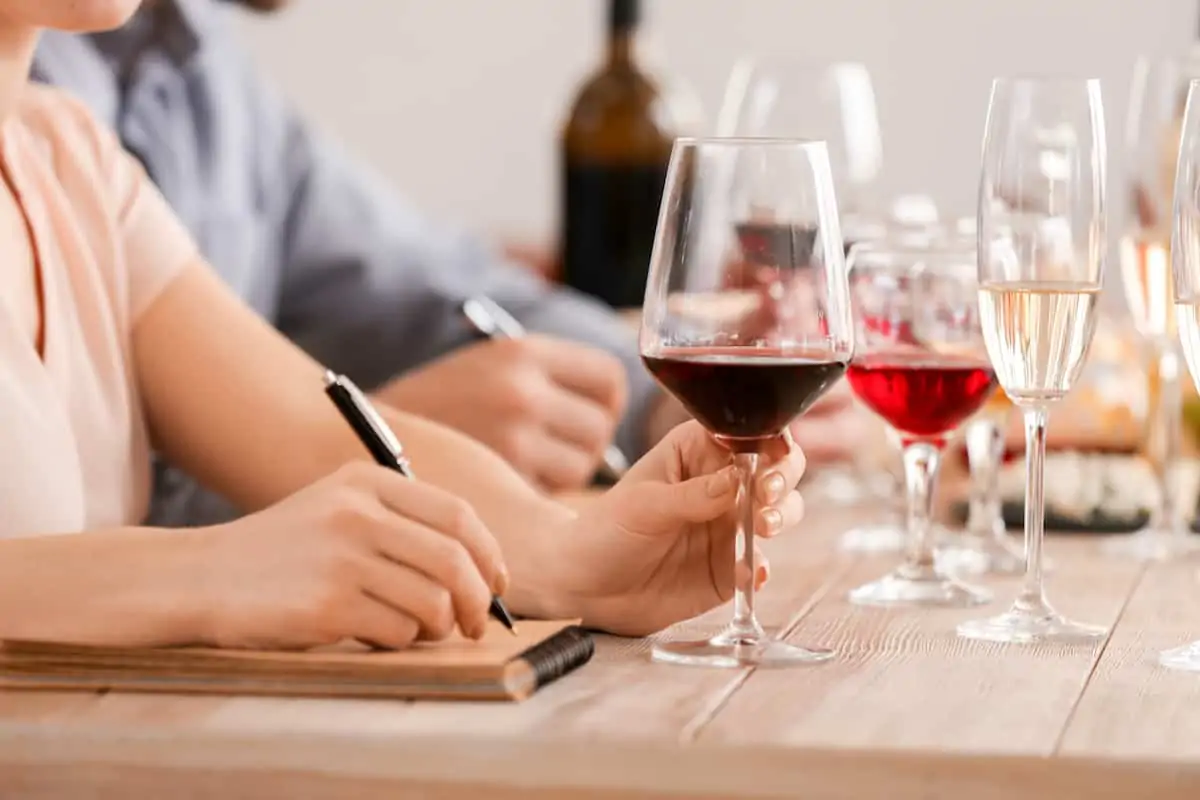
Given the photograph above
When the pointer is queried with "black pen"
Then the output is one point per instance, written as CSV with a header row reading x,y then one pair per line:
x,y
385,448
488,318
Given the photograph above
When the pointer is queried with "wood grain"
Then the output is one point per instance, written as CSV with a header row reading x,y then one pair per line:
x,y
903,679
907,711
1133,707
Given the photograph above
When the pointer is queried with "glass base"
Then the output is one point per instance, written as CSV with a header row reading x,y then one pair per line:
x,y
907,586
1031,626
1152,544
982,555
1185,658
731,649
884,537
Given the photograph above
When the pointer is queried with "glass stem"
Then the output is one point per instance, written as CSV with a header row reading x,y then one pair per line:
x,y
1032,597
985,453
1165,432
920,466
745,626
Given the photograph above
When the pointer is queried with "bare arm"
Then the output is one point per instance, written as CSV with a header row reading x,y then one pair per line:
x,y
234,403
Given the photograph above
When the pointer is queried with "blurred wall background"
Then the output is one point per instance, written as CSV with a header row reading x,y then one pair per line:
x,y
458,102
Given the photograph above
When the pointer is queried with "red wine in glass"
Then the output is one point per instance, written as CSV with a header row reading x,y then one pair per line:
x,y
922,396
743,395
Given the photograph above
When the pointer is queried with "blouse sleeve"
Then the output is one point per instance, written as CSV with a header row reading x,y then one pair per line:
x,y
155,244
151,244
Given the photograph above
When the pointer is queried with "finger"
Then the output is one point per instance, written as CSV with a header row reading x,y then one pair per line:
x,y
699,499
558,465
414,594
784,473
445,561
773,520
584,370
447,514
577,420
378,625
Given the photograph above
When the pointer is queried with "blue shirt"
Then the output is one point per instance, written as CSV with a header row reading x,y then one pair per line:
x,y
320,246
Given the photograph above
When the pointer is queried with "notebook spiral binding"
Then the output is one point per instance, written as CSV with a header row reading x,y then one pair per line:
x,y
550,660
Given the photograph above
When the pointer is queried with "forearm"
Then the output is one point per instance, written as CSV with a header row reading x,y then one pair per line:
x,y
129,586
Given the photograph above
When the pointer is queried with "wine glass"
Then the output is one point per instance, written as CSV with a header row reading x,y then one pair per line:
x,y
1041,237
920,365
747,323
1155,121
784,95
1185,263
983,546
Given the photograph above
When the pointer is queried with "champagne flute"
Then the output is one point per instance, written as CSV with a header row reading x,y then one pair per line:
x,y
1042,243
1185,264
747,332
920,365
1155,120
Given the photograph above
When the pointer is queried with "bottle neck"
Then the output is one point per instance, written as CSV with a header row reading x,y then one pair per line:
x,y
622,48
623,19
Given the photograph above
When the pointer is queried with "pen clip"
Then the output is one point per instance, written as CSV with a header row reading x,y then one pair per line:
x,y
371,417
491,319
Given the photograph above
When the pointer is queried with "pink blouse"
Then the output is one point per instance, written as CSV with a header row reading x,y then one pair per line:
x,y
74,450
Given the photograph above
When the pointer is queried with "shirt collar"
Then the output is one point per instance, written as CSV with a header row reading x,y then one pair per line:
x,y
177,28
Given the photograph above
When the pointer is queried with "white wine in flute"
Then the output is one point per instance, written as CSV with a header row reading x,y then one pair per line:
x,y
1037,335
1146,271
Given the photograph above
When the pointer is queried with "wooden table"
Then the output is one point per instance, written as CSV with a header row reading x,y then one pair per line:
x,y
906,711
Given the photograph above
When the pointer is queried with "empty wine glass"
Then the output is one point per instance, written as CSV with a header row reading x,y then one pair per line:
x,y
746,322
920,365
1041,237
784,95
1185,263
1155,121
789,96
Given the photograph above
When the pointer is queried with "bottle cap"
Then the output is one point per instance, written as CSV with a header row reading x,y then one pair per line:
x,y
623,14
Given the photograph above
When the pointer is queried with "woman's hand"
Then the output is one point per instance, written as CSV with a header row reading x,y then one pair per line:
x,y
659,546
364,554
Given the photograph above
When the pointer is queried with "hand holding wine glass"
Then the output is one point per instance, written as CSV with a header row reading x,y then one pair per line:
x,y
745,383
1042,242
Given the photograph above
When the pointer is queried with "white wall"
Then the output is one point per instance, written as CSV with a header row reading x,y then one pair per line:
x,y
459,101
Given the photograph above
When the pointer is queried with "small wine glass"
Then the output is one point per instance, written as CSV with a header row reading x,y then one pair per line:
x,y
920,365
1155,121
984,545
747,323
1041,238
1185,267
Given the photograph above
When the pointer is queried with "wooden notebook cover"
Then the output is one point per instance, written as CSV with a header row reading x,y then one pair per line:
x,y
455,668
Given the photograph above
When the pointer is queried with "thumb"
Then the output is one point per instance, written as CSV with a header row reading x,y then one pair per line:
x,y
705,497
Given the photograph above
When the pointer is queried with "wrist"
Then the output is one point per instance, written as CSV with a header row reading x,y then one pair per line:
x,y
543,584
192,603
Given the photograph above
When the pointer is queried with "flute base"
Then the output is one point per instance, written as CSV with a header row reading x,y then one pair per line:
x,y
923,586
732,649
1153,544
1031,626
1186,658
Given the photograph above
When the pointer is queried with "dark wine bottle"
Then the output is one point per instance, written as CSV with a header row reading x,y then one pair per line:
x,y
615,148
